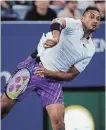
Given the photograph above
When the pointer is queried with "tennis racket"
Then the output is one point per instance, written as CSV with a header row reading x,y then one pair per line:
x,y
18,83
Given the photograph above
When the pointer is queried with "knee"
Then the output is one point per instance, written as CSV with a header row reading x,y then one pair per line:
x,y
58,122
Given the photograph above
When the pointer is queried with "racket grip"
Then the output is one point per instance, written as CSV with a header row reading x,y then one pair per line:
x,y
25,62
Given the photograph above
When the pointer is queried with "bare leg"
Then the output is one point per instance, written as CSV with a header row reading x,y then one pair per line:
x,y
6,105
56,114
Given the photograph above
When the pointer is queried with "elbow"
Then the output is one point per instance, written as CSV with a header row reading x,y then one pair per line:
x,y
70,78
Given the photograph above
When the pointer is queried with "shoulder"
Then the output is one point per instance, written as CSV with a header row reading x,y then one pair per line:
x,y
30,14
73,23
51,11
32,11
61,14
78,14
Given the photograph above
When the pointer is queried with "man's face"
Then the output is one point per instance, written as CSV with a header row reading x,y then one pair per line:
x,y
72,5
91,20
58,3
42,4
101,6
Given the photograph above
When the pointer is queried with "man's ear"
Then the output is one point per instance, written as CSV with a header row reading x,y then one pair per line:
x,y
82,18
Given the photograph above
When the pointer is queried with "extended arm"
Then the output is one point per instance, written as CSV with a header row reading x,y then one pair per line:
x,y
65,76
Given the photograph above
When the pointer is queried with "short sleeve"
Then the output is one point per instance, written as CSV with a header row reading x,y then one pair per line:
x,y
81,65
70,23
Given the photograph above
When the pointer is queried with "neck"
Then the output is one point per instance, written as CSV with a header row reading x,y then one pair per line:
x,y
72,11
86,33
41,11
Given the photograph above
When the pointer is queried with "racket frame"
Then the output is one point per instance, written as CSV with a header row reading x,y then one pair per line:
x,y
11,79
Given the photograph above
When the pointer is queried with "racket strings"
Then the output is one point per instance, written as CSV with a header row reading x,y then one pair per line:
x,y
20,81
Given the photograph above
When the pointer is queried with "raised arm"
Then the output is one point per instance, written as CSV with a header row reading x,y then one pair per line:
x,y
56,27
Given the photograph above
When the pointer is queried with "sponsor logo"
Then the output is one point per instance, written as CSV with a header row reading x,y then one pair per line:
x,y
99,44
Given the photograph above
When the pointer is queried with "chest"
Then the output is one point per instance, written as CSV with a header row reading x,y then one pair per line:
x,y
75,47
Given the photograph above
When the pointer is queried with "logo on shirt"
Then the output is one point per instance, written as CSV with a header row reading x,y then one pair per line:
x,y
84,45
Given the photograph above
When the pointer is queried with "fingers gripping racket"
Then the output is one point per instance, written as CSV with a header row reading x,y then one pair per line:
x,y
18,83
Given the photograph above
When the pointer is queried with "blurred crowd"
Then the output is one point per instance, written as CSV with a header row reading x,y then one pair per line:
x,y
46,10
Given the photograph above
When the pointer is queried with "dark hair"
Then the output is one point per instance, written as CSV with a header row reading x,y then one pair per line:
x,y
70,1
91,8
99,1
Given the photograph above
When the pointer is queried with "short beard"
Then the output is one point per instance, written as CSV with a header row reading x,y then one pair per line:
x,y
91,30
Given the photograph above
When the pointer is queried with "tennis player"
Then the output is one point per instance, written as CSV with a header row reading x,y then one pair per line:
x,y
61,55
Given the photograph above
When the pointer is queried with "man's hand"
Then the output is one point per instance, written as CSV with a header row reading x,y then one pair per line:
x,y
64,76
42,72
51,42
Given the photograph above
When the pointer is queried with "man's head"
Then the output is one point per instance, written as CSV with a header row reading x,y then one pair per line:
x,y
72,5
100,5
42,4
91,19
58,2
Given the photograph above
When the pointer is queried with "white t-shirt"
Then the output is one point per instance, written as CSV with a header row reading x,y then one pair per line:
x,y
72,48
